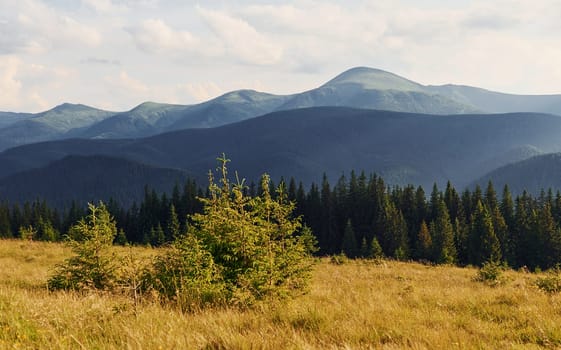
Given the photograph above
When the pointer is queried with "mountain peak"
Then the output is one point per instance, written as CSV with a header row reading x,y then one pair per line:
x,y
71,107
151,106
374,79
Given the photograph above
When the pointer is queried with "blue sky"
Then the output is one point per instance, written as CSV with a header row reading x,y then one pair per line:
x,y
115,54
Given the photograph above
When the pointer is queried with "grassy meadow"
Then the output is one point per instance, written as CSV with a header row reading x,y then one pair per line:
x,y
355,305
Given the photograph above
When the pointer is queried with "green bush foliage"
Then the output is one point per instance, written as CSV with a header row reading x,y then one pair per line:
x,y
187,276
91,267
490,273
239,250
551,283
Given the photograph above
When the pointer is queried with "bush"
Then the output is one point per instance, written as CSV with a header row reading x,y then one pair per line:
x,y
490,273
238,251
551,283
91,267
187,276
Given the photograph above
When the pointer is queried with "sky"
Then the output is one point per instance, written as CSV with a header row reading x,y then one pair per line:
x,y
116,54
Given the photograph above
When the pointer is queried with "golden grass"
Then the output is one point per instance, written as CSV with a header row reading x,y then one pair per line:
x,y
357,305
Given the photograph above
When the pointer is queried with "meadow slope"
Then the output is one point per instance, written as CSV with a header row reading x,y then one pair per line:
x,y
359,304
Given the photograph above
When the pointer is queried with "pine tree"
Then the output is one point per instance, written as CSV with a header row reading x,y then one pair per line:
x,y
491,197
376,251
424,243
349,245
501,231
258,247
507,211
328,238
548,237
435,198
91,266
442,234
173,226
484,244
394,232
523,242
5,225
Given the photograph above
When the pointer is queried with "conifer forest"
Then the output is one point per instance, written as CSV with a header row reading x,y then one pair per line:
x,y
359,216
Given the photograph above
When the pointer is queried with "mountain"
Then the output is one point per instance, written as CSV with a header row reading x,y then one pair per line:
x,y
152,118
8,118
56,123
376,89
139,121
88,179
496,102
533,175
402,147
360,87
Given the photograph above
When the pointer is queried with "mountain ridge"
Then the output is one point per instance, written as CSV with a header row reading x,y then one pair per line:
x,y
359,87
403,148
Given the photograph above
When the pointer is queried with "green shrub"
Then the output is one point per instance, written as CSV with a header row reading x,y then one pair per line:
x,y
490,273
551,283
91,267
238,251
339,259
187,276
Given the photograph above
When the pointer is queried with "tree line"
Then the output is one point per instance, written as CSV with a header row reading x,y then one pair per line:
x,y
360,216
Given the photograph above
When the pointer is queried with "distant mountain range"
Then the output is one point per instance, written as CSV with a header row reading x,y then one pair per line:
x,y
363,119
533,175
401,147
360,87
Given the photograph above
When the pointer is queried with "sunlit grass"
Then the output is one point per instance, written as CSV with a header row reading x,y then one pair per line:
x,y
359,304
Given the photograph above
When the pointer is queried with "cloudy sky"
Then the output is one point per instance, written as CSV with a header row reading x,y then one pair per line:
x,y
115,54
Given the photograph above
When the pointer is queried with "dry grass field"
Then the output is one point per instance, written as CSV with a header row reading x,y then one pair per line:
x,y
356,305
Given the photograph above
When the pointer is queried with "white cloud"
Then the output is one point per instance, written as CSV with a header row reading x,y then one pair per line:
x,y
105,6
30,26
241,40
9,83
123,82
54,51
204,91
155,36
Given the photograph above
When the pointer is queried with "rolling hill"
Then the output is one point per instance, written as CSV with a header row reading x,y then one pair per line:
x,y
88,179
533,175
402,147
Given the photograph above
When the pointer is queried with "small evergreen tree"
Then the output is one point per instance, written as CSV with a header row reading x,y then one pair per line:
x,y
91,267
247,248
172,230
376,249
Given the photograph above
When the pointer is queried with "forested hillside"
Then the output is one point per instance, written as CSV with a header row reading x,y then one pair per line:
x,y
403,148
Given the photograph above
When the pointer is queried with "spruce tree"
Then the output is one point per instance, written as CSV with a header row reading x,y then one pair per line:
x,y
91,266
424,243
376,251
491,197
394,232
349,244
173,226
5,225
548,237
484,244
442,234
